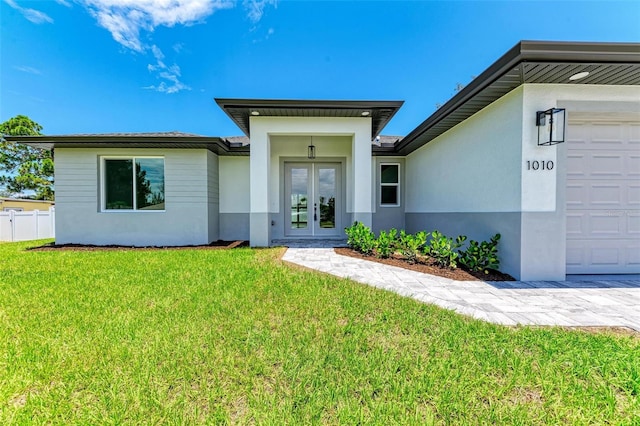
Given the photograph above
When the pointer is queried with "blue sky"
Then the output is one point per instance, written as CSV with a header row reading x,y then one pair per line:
x,y
94,66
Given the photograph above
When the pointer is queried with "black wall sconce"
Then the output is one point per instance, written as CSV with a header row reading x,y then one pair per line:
x,y
311,150
551,126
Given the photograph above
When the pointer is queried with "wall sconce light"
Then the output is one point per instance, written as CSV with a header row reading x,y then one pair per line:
x,y
551,125
311,150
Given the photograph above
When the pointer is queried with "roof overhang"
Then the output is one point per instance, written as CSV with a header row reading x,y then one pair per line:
x,y
530,62
240,110
217,145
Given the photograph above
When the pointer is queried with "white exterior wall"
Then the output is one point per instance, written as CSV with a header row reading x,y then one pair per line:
x,y
78,215
474,167
234,184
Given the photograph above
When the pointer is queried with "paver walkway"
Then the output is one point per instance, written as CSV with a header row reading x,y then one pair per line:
x,y
565,303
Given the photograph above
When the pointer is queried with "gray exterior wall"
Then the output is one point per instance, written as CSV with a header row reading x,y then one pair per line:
x,y
78,190
234,226
213,194
387,217
479,227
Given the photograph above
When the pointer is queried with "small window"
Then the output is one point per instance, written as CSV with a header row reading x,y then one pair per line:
x,y
389,184
133,183
15,209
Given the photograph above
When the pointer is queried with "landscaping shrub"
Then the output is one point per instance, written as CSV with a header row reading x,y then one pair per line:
x,y
360,238
443,249
480,257
410,245
386,243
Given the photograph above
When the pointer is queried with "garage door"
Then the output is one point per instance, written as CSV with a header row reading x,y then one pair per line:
x,y
603,195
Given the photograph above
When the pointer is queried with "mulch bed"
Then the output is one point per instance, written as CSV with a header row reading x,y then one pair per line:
x,y
216,245
458,274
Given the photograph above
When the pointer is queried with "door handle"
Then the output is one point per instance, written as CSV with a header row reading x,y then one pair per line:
x,y
315,212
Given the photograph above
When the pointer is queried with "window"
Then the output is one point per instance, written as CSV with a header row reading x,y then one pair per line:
x,y
133,183
15,209
389,184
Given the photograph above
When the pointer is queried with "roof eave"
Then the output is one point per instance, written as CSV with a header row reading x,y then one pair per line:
x,y
522,52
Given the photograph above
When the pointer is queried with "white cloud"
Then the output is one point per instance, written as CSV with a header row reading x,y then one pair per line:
x,y
255,8
178,47
64,3
170,74
32,15
28,69
126,19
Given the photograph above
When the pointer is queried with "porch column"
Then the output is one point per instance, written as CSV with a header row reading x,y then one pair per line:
x,y
260,155
361,158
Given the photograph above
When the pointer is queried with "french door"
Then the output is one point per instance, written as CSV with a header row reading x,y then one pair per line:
x,y
312,199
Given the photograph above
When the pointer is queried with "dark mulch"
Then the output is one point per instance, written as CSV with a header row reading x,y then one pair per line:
x,y
216,245
423,265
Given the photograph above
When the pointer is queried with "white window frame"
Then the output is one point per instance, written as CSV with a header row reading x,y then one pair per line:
x,y
103,193
398,203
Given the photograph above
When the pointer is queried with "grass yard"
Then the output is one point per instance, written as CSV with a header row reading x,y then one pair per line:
x,y
237,337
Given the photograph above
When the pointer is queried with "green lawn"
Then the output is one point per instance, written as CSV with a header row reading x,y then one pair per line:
x,y
212,336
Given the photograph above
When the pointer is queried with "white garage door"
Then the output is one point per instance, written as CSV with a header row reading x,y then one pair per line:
x,y
603,195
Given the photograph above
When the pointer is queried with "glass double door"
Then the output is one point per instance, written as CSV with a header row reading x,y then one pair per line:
x,y
312,199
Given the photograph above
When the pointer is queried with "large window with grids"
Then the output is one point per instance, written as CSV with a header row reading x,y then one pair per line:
x,y
389,184
132,184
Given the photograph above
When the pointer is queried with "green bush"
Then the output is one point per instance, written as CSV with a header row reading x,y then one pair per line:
x,y
360,238
480,257
386,243
410,245
442,249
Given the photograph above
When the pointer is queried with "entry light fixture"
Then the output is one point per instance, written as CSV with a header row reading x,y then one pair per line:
x,y
579,76
311,150
551,125
365,113
255,112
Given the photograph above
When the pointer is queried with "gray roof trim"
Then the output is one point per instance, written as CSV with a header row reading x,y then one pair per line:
x,y
132,140
530,62
239,110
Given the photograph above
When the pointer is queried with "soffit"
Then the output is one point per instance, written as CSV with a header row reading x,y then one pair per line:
x,y
240,110
535,63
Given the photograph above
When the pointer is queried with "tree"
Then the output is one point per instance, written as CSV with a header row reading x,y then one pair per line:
x,y
23,168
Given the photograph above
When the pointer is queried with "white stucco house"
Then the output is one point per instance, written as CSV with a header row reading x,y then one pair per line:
x,y
477,166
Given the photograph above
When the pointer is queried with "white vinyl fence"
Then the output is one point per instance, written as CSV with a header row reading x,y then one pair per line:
x,y
23,226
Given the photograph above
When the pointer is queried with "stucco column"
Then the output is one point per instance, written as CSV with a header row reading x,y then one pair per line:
x,y
361,158
259,160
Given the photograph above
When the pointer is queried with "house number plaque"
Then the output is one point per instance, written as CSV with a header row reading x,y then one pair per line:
x,y
540,165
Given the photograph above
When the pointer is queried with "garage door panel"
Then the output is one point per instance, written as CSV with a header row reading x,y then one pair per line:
x,y
633,224
634,134
576,195
586,225
607,135
603,197
575,224
606,165
603,256
577,165
633,165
